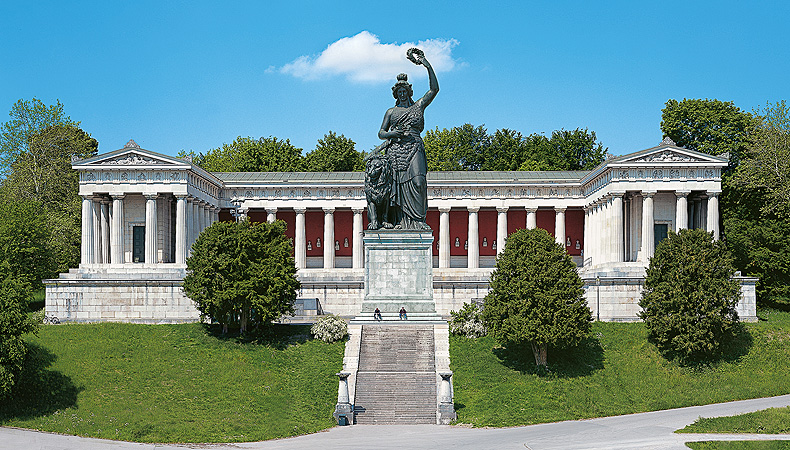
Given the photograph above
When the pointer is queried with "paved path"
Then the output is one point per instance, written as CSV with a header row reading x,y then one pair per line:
x,y
653,430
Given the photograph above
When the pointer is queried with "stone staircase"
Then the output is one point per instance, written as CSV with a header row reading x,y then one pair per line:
x,y
396,379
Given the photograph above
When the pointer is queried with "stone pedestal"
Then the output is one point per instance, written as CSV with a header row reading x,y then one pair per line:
x,y
398,273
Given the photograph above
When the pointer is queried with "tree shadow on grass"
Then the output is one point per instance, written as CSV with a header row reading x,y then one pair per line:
x,y
733,348
571,362
278,336
39,390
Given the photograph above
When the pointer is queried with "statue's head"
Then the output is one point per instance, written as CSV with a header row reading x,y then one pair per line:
x,y
402,83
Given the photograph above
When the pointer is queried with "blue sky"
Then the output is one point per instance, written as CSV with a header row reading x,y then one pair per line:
x,y
194,75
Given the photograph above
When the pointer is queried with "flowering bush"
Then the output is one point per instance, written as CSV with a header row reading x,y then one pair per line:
x,y
468,321
329,328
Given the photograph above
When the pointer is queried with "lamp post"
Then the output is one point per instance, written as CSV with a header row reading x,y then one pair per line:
x,y
598,297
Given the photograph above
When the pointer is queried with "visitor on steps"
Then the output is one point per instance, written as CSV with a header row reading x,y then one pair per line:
x,y
377,315
402,313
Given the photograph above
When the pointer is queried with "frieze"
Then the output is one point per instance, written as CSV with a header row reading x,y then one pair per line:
x,y
132,159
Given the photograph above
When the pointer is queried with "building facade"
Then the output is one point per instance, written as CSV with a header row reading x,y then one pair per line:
x,y
141,212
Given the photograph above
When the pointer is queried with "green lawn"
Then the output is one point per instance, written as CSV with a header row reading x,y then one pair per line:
x,y
176,383
767,421
616,372
739,445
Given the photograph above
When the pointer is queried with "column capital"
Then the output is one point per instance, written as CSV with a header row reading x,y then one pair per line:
x,y
683,193
715,193
473,209
118,197
444,209
328,209
531,209
617,193
648,194
151,196
502,209
181,196
357,210
271,210
300,210
558,209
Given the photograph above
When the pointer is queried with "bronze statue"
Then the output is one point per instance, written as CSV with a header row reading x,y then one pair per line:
x,y
405,152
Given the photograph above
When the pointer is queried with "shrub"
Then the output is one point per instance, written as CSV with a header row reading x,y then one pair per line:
x,y
689,299
242,269
536,296
468,321
14,322
329,328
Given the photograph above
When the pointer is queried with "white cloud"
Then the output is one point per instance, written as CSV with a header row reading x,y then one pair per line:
x,y
363,58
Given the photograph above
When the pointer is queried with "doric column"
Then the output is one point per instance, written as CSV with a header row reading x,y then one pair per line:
x,y
206,215
618,242
648,231
473,249
300,249
586,233
150,229
559,226
713,213
189,216
329,238
87,231
681,210
532,218
105,230
201,218
181,229
444,236
357,253
271,214
116,230
97,250
501,228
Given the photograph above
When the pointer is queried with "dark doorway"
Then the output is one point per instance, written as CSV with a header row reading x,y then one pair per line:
x,y
660,230
138,244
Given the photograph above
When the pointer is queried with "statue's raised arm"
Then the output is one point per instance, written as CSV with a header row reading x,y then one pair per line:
x,y
417,56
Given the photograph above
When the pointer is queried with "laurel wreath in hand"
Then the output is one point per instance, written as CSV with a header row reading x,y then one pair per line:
x,y
410,54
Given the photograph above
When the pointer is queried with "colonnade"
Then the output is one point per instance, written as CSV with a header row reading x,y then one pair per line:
x,y
606,225
104,227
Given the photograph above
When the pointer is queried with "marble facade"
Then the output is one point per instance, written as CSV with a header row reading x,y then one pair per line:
x,y
609,218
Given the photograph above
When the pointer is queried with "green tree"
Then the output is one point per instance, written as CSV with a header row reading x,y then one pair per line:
x,y
536,296
708,126
575,150
24,236
245,269
43,174
246,154
766,166
459,148
27,118
334,153
688,303
14,322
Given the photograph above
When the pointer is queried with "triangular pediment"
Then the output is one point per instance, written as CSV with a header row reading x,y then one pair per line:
x,y
131,155
668,153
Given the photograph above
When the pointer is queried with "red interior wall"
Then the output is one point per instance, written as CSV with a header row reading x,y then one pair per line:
x,y
257,216
459,220
574,227
516,220
545,219
486,226
344,225
289,217
314,229
225,215
433,221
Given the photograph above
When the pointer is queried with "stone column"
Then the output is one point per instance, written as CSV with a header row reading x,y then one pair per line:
x,y
501,228
329,238
586,234
713,213
271,214
207,215
473,249
300,249
201,218
150,229
681,210
181,229
532,218
87,231
357,250
617,235
444,236
97,250
559,226
190,225
105,230
116,230
697,219
648,236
